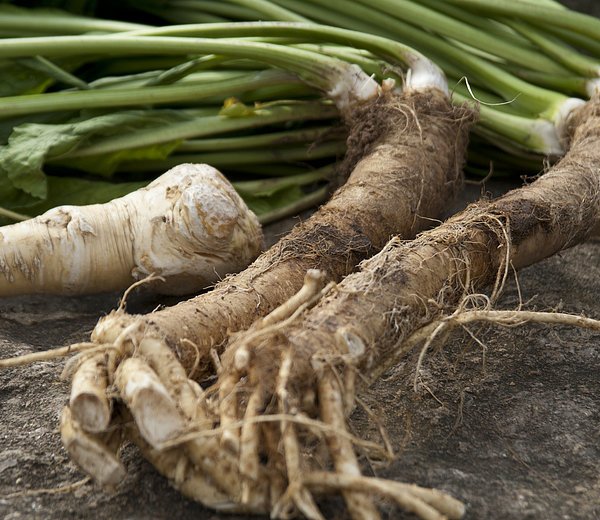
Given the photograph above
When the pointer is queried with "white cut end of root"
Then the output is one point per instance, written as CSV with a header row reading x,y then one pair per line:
x,y
353,85
91,413
549,135
592,87
156,414
88,402
561,118
423,74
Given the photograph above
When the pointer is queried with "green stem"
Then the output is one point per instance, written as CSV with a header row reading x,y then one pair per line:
x,y
568,85
311,200
230,159
112,98
222,8
13,215
186,68
286,137
529,98
52,70
537,135
270,10
486,154
318,70
202,77
372,66
209,125
490,27
339,18
184,15
590,45
564,54
435,21
43,22
128,65
283,91
272,185
269,169
544,15
380,46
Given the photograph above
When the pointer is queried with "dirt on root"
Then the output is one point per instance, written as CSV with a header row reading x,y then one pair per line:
x,y
510,426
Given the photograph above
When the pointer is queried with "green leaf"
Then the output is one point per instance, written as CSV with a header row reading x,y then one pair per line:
x,y
261,204
11,197
35,74
61,191
31,145
20,79
107,164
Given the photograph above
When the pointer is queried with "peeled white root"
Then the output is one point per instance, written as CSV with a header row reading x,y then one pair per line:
x,y
188,227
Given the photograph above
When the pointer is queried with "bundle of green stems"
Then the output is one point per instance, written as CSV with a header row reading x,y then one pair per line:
x,y
94,108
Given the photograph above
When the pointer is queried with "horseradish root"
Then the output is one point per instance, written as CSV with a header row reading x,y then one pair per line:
x,y
286,386
306,371
398,182
406,167
188,227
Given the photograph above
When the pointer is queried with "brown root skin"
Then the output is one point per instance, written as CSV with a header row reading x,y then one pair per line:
x,y
408,174
302,368
562,209
372,312
411,152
